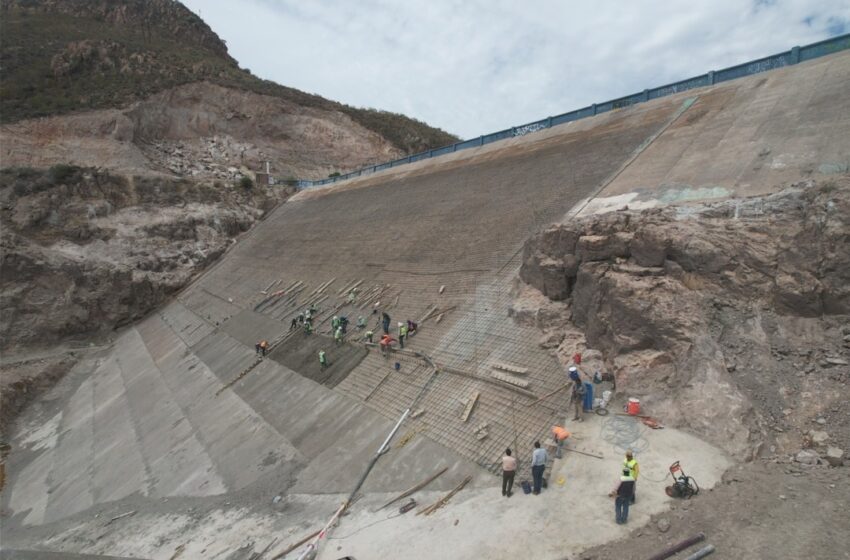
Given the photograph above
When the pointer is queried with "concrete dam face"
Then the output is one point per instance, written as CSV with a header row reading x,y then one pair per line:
x,y
181,406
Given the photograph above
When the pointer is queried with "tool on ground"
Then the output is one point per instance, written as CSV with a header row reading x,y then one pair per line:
x,y
683,486
679,547
701,553
407,507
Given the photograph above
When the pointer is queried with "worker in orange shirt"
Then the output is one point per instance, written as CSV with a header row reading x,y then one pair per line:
x,y
386,342
560,435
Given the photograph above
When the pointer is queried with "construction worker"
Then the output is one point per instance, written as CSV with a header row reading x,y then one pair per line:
x,y
334,323
352,295
369,335
624,492
509,465
294,324
308,314
386,342
634,470
538,465
361,322
262,347
323,359
301,318
338,335
343,322
308,327
402,334
560,435
385,322
577,398
411,327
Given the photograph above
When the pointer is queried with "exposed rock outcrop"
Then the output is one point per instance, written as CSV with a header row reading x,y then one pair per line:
x,y
84,251
712,314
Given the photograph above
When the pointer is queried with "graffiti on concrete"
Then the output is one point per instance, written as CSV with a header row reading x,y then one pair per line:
x,y
528,129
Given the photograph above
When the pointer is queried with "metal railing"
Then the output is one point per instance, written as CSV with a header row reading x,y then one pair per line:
x,y
787,58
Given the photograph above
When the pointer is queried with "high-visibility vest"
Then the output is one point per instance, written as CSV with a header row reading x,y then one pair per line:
x,y
625,478
632,466
322,357
402,331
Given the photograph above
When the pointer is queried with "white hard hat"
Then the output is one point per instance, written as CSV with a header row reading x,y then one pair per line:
x,y
573,369
400,325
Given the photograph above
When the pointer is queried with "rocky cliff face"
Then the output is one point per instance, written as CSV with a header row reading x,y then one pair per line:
x,y
724,318
84,251
202,131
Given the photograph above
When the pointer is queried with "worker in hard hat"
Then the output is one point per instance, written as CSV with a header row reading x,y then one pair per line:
x,y
560,435
338,335
323,359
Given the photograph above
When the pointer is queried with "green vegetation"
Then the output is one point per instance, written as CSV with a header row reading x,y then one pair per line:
x,y
40,74
62,172
334,174
245,182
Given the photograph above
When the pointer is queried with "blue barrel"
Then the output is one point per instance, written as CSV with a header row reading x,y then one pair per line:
x,y
588,396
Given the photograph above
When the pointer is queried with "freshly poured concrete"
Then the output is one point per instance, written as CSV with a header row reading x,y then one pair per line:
x,y
148,425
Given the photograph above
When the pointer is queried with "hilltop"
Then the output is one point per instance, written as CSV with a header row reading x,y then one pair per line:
x,y
61,57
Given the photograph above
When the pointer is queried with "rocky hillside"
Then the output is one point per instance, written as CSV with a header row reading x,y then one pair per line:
x,y
84,250
105,61
729,319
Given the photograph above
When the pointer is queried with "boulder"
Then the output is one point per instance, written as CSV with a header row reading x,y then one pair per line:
x,y
807,457
834,456
819,437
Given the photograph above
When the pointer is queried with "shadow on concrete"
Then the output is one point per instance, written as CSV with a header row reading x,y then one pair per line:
x,y
300,353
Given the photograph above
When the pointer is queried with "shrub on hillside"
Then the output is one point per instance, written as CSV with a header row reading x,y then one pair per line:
x,y
245,182
61,172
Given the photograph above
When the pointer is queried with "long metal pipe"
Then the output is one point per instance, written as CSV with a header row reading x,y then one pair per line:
x,y
384,446
701,553
668,552
312,548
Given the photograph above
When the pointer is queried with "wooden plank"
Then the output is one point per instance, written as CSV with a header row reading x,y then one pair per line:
x,y
430,311
415,488
509,379
510,368
470,404
445,499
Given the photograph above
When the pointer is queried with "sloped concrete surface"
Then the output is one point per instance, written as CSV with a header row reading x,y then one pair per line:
x,y
165,423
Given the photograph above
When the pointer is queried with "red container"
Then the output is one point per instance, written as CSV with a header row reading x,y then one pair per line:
x,y
633,407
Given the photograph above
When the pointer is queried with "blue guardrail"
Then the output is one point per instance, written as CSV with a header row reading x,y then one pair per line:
x,y
787,58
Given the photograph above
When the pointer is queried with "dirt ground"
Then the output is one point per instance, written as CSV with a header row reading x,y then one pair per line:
x,y
763,509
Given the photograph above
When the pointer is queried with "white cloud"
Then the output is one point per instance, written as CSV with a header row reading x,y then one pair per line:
x,y
473,67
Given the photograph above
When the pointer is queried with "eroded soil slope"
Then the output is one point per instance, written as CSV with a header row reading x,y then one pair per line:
x,y
729,319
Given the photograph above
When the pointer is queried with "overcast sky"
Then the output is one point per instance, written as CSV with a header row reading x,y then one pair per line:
x,y
476,66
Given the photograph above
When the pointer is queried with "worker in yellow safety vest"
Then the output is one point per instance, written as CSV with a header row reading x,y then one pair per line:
x,y
631,463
